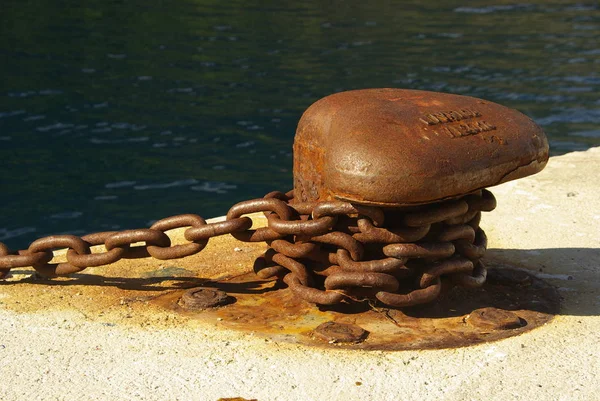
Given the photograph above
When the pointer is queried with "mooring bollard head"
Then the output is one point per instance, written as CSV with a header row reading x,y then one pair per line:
x,y
397,147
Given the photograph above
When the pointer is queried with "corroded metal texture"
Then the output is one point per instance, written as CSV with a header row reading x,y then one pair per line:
x,y
203,298
499,309
330,252
148,293
334,332
396,147
342,253
389,191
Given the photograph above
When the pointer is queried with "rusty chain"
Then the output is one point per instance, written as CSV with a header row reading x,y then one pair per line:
x,y
402,263
326,252
120,245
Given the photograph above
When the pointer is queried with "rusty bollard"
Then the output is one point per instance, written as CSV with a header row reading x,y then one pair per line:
x,y
389,189
409,171
399,148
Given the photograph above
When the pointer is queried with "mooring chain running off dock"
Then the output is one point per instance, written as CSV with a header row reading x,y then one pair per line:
x,y
326,252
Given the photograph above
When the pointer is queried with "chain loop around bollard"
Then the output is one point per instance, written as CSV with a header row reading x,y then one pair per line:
x,y
326,252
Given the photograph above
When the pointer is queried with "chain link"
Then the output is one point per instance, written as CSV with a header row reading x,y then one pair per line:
x,y
326,252
434,246
126,244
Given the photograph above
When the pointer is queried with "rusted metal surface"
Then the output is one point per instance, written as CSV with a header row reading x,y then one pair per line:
x,y
236,399
128,244
336,333
493,319
365,254
397,147
499,309
389,192
203,298
148,293
328,252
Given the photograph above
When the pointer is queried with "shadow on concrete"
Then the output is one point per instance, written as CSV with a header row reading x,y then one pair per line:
x,y
574,272
164,283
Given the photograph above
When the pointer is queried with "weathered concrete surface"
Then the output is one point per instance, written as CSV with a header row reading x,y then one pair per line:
x,y
75,342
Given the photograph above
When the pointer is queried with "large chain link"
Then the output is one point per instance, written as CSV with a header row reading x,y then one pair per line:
x,y
127,244
355,256
326,252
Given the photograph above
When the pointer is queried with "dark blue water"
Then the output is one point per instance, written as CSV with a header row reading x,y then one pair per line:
x,y
117,113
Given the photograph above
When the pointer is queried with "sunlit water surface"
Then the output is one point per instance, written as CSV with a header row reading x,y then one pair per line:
x,y
114,114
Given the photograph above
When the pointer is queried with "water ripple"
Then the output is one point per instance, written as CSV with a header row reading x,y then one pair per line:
x,y
173,184
11,113
102,141
54,127
215,187
586,134
6,233
120,184
44,92
34,118
572,115
494,8
66,215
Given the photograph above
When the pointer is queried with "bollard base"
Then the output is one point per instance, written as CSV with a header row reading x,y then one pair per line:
x,y
510,303
216,289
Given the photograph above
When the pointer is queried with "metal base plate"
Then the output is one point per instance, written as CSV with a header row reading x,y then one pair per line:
x,y
510,303
149,292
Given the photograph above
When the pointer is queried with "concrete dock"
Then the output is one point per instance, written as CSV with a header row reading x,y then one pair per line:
x,y
99,335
